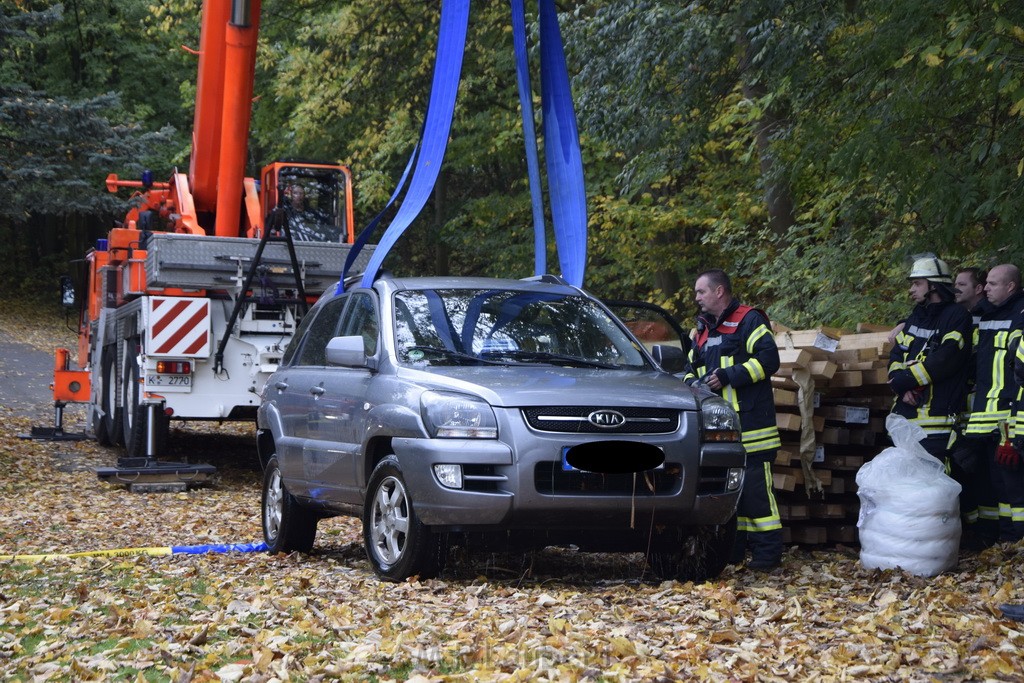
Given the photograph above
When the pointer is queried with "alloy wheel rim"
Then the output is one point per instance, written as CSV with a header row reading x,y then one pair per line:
x,y
390,521
272,509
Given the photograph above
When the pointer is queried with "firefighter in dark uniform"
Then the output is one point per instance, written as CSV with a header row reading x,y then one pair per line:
x,y
735,355
995,392
1011,464
966,468
930,362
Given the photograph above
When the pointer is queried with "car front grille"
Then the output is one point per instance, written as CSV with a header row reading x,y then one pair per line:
x,y
550,479
577,420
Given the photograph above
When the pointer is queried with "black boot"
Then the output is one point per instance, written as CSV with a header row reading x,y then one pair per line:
x,y
1013,612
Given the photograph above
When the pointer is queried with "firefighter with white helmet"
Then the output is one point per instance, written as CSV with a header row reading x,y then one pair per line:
x,y
929,362
931,268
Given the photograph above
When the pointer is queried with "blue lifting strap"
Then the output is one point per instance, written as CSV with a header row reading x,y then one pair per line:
x,y
540,250
562,150
364,236
561,144
451,44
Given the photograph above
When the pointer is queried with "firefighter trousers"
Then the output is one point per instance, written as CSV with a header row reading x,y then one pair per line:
x,y
1009,486
973,462
758,525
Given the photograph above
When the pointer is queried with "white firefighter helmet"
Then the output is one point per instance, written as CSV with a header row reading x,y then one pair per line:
x,y
930,267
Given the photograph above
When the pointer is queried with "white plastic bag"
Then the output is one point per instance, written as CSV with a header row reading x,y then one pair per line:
x,y
909,508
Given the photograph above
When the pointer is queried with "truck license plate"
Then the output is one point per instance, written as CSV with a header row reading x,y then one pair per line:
x,y
169,380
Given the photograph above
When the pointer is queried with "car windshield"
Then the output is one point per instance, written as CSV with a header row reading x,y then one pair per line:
x,y
486,327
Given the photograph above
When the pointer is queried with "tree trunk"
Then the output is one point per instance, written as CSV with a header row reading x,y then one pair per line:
x,y
666,278
778,195
443,253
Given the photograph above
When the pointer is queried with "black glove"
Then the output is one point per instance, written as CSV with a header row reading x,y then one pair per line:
x,y
902,381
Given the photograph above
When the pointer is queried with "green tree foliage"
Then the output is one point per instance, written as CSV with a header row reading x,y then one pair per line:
x,y
897,128
352,82
55,151
808,146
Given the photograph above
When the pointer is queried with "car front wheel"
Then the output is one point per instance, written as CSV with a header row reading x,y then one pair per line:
x,y
287,526
694,554
397,544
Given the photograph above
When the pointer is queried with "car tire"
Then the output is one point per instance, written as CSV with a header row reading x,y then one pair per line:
x,y
397,543
694,553
287,526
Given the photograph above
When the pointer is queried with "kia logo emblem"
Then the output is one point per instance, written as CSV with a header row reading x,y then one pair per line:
x,y
606,418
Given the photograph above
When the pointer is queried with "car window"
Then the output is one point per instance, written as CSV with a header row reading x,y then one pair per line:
x,y
297,338
517,326
651,324
313,349
361,320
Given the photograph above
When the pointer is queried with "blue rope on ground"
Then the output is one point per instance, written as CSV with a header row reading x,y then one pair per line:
x,y
153,551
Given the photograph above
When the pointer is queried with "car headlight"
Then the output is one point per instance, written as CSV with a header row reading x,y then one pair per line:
x,y
457,416
720,421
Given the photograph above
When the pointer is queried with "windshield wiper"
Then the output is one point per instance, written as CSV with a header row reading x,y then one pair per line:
x,y
458,357
555,359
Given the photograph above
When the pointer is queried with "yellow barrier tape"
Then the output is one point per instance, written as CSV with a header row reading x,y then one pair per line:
x,y
120,552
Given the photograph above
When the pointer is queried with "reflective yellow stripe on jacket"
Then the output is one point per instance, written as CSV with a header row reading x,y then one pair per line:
x,y
761,439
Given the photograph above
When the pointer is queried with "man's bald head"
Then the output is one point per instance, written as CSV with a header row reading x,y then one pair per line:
x,y
1003,282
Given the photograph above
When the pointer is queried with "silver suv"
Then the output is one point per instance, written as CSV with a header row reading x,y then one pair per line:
x,y
493,414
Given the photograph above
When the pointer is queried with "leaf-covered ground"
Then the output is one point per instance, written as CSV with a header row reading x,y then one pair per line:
x,y
555,615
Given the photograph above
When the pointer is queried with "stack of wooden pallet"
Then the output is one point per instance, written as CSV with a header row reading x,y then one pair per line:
x,y
845,374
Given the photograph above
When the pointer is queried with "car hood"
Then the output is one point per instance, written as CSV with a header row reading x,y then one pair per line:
x,y
533,385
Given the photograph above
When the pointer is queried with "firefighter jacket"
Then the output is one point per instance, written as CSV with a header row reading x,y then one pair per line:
x,y
740,350
931,358
1017,427
995,390
981,309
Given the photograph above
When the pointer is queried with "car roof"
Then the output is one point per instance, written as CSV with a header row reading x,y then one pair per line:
x,y
547,284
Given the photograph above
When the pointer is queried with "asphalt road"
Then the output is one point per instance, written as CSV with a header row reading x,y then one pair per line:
x,y
25,376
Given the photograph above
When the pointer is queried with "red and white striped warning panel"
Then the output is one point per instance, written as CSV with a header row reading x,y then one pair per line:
x,y
179,327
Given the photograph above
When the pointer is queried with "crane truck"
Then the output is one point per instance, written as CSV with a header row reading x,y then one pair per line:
x,y
189,302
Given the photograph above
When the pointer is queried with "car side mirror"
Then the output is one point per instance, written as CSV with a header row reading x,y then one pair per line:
x,y
67,292
670,358
346,351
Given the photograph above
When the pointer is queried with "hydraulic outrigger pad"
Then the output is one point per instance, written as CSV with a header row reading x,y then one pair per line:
x,y
143,475
56,432
149,475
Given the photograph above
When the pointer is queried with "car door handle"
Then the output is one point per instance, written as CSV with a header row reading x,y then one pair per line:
x,y
280,386
317,391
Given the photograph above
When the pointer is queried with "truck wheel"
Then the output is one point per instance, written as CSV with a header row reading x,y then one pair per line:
x,y
693,554
287,526
397,543
130,394
109,430
134,415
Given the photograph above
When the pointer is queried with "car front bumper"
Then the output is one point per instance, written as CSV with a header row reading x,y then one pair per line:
x,y
529,488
